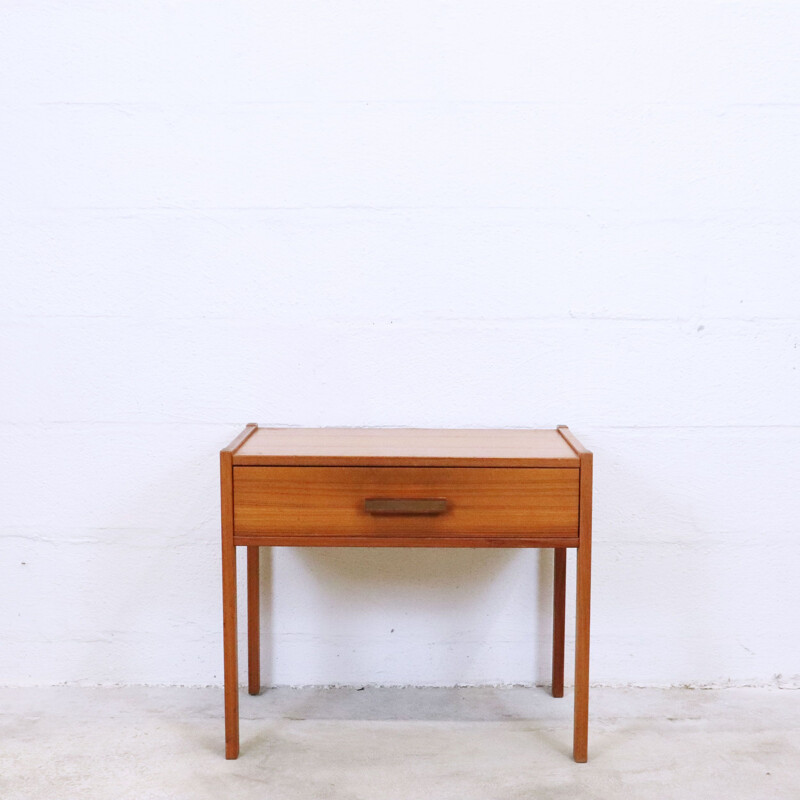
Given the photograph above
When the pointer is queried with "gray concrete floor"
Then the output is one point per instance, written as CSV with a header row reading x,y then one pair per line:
x,y
346,744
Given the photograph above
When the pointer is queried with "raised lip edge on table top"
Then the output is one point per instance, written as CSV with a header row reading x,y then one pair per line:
x,y
572,462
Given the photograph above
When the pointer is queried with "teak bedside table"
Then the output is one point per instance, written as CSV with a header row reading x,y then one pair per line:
x,y
399,487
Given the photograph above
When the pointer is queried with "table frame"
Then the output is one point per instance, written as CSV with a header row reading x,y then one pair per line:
x,y
582,607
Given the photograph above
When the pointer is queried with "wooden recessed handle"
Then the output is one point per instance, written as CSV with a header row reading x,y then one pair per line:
x,y
429,506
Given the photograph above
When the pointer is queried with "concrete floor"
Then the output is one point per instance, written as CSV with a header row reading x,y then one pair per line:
x,y
64,742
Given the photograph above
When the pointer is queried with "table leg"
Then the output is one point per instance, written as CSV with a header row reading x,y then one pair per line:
x,y
253,621
581,729
230,648
559,617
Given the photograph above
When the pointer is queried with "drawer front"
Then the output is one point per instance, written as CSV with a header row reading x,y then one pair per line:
x,y
396,501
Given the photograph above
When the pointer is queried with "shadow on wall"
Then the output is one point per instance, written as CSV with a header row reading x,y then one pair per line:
x,y
397,616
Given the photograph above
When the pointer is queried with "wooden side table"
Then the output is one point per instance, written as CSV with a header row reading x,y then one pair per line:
x,y
368,487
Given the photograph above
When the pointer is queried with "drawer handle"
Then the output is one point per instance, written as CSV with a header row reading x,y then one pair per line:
x,y
405,505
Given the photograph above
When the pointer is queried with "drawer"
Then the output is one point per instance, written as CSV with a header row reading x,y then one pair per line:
x,y
430,501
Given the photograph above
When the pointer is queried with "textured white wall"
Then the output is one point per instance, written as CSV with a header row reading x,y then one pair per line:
x,y
415,214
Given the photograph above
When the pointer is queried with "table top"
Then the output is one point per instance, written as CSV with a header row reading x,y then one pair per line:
x,y
418,447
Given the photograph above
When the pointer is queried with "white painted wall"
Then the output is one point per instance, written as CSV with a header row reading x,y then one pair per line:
x,y
407,214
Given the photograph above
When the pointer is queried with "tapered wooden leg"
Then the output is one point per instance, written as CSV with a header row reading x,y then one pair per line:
x,y
230,648
580,746
559,617
253,622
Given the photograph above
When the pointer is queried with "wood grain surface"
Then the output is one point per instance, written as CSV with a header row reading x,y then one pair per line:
x,y
329,502
559,618
308,487
253,620
229,622
583,581
316,540
405,447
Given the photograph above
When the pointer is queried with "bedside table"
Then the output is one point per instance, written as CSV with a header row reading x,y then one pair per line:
x,y
401,487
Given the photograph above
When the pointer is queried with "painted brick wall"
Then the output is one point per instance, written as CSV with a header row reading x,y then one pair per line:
x,y
410,214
